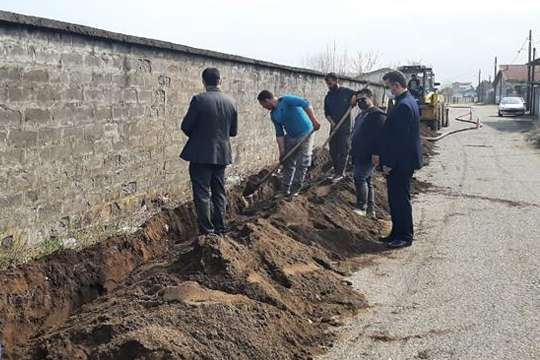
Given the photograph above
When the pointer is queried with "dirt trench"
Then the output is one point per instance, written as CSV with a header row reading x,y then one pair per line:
x,y
271,289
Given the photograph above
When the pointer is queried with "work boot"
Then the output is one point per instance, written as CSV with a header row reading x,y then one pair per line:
x,y
386,239
370,212
398,243
360,212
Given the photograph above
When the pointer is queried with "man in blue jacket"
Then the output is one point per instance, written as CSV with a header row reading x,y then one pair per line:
x,y
400,156
294,121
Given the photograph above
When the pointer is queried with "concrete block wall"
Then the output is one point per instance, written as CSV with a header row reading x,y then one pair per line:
x,y
89,125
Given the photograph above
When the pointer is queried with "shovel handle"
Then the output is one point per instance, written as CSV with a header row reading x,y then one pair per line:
x,y
284,158
295,147
338,125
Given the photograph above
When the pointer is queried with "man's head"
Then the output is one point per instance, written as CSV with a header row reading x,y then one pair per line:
x,y
365,99
331,80
396,82
413,76
211,77
267,100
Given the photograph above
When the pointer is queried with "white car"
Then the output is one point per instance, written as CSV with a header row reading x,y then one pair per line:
x,y
512,105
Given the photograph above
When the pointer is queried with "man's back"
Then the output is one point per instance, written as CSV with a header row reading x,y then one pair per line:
x,y
289,116
402,147
211,120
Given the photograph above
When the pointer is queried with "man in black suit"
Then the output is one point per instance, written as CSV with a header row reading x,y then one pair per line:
x,y
211,120
400,156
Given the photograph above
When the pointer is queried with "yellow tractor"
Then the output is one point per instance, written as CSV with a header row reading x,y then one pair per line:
x,y
422,85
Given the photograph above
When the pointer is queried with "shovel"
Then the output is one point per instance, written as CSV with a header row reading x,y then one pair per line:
x,y
254,184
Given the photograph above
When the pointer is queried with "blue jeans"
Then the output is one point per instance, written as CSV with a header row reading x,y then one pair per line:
x,y
365,196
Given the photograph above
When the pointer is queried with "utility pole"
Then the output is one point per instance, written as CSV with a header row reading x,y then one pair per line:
x,y
534,87
495,69
494,78
529,86
478,90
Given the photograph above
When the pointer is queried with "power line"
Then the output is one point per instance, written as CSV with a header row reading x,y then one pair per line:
x,y
522,47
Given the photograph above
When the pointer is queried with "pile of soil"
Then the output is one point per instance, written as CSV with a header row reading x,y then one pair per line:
x,y
273,288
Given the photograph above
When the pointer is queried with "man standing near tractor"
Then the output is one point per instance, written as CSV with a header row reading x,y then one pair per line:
x,y
400,156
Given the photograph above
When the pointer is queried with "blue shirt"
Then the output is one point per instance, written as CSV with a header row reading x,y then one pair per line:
x,y
290,118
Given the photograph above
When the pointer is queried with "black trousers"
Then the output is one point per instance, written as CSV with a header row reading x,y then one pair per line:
x,y
339,150
208,184
399,198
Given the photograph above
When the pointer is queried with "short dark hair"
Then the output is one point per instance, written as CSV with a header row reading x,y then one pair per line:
x,y
265,95
366,92
331,76
211,76
395,77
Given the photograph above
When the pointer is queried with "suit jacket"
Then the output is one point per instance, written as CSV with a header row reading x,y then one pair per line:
x,y
211,120
401,146
366,135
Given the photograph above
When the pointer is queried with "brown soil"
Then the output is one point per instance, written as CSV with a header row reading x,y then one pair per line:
x,y
271,289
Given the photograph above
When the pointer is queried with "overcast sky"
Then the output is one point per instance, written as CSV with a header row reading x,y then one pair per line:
x,y
456,37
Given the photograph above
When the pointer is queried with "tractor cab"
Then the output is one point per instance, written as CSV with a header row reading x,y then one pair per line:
x,y
421,84
420,81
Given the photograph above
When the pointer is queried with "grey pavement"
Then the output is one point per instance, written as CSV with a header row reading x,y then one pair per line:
x,y
469,287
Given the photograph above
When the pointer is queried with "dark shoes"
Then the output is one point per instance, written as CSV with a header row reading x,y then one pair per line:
x,y
386,239
397,243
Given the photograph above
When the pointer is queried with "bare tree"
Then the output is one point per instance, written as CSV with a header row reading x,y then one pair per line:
x,y
364,62
332,59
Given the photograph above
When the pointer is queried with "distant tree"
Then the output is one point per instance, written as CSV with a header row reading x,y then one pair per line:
x,y
332,59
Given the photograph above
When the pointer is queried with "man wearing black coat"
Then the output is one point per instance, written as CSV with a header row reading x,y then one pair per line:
x,y
400,155
336,104
365,149
211,120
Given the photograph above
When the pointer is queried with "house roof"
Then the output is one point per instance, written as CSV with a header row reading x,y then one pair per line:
x,y
535,62
517,73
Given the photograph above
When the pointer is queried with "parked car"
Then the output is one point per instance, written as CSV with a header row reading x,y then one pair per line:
x,y
512,105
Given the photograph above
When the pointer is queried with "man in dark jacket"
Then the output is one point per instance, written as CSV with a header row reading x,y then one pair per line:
x,y
401,155
365,149
211,120
336,104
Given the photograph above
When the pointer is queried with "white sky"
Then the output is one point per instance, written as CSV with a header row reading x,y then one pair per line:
x,y
456,37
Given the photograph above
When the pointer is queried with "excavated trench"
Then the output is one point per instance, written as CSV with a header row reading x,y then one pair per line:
x,y
273,288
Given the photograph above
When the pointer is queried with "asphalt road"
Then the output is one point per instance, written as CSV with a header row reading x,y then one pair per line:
x,y
469,287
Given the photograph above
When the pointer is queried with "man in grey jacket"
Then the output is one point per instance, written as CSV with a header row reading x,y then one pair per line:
x,y
211,120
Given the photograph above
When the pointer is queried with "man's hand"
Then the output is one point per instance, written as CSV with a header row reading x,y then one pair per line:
x,y
386,170
313,118
354,100
375,160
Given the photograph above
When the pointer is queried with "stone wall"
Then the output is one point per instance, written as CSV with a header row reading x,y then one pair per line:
x,y
89,125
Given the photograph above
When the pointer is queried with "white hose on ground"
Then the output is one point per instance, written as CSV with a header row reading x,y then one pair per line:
x,y
477,124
